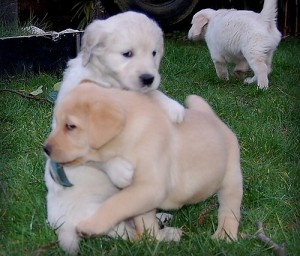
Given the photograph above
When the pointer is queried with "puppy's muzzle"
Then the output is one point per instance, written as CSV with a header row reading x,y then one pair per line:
x,y
47,149
147,80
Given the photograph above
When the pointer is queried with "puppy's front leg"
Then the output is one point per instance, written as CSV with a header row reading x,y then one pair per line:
x,y
221,69
174,110
146,222
131,201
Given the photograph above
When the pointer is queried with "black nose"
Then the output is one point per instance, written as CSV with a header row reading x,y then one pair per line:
x,y
147,79
47,149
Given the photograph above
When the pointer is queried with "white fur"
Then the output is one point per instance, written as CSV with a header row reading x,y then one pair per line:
x,y
244,38
102,59
67,206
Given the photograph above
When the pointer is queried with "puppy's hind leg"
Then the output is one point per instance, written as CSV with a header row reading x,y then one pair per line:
x,y
261,70
221,69
229,212
68,240
241,69
230,199
269,61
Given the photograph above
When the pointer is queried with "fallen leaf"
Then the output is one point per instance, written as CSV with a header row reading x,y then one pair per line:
x,y
37,91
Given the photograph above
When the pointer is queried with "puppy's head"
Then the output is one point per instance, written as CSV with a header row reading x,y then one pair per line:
x,y
199,24
86,119
126,49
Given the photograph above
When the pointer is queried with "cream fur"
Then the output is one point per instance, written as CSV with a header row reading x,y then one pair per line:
x,y
174,165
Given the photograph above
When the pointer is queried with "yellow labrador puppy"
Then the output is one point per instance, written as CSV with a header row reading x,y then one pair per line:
x,y
175,164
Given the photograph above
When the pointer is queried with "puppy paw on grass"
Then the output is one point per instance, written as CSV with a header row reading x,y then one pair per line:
x,y
223,235
169,234
88,229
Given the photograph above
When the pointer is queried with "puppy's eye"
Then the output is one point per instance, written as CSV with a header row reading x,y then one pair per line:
x,y
128,54
154,53
70,127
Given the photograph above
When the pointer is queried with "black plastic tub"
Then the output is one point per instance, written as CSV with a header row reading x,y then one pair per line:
x,y
38,53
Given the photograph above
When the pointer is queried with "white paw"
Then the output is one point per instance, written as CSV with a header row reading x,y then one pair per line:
x,y
175,111
169,234
223,76
264,85
221,234
250,80
120,171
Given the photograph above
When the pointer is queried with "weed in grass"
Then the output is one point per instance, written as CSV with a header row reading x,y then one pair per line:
x,y
266,123
13,31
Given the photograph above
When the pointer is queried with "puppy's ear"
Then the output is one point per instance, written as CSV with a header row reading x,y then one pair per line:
x,y
105,122
94,35
200,19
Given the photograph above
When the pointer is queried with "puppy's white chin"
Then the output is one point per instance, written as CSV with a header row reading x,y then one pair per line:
x,y
142,89
147,89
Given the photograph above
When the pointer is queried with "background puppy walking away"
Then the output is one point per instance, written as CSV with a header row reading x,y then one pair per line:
x,y
244,38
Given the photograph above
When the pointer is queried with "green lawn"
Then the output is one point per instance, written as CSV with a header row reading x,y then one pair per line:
x,y
267,124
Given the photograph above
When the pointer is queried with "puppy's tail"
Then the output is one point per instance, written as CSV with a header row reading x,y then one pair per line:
x,y
195,102
269,11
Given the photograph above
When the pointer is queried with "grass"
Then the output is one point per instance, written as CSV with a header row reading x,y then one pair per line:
x,y
267,124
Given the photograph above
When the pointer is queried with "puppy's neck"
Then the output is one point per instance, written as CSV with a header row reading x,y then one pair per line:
x,y
101,75
203,32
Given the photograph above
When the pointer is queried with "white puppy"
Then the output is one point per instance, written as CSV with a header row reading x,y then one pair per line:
x,y
244,38
123,51
67,206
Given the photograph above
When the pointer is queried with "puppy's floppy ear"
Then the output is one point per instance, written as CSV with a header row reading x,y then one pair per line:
x,y
200,19
94,35
105,122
